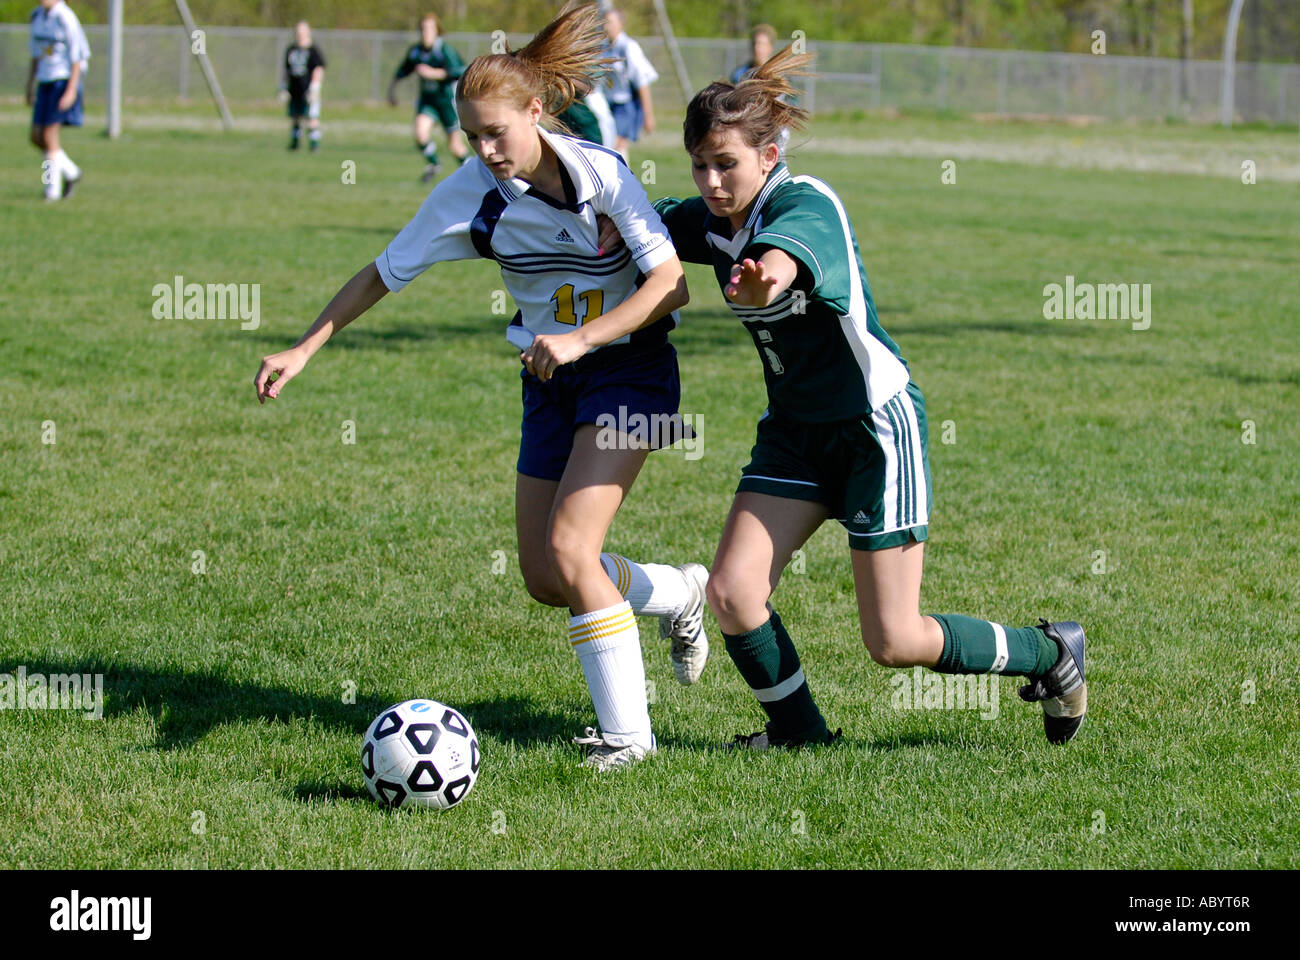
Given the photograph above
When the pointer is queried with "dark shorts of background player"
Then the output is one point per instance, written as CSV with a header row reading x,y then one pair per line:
x,y
45,106
600,388
302,107
842,465
440,107
628,118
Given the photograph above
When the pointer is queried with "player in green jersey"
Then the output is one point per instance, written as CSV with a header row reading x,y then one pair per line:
x,y
438,66
844,436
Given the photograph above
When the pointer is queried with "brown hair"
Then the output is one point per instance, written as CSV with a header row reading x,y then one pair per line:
x,y
763,30
437,21
558,66
754,105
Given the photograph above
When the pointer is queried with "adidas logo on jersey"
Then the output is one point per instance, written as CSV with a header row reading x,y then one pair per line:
x,y
563,236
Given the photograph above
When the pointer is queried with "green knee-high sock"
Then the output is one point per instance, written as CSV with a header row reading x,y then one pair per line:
x,y
766,658
429,151
978,646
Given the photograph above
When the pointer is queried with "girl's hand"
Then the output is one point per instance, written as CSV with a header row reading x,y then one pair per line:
x,y
553,350
430,73
608,239
751,284
68,99
287,364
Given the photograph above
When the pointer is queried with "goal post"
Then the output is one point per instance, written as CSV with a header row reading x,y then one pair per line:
x,y
114,126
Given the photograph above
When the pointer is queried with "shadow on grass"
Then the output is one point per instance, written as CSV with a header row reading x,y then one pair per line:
x,y
185,705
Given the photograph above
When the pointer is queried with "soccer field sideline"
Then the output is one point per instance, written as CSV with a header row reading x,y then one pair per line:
x,y
1276,154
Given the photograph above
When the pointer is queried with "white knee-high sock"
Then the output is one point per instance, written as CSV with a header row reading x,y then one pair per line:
x,y
70,169
653,589
609,648
52,174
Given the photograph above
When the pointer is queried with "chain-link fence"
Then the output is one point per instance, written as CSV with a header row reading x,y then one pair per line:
x,y
157,65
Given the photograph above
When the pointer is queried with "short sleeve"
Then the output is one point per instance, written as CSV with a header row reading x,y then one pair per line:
x,y
455,66
640,71
623,200
78,46
440,230
317,58
685,221
807,226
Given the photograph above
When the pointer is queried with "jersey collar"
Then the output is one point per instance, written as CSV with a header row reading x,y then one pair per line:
x,y
582,174
778,176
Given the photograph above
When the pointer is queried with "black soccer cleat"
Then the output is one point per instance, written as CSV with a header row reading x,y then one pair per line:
x,y
70,184
763,740
1063,690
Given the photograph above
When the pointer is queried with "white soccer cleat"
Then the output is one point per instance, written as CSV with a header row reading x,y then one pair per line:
x,y
604,756
690,650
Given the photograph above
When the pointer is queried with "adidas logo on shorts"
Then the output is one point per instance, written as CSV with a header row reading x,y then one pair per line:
x,y
563,236
862,517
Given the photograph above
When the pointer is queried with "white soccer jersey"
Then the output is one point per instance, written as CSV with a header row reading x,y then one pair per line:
x,y
546,249
58,42
630,71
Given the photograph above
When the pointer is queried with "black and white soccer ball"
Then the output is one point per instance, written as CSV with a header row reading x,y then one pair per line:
x,y
420,753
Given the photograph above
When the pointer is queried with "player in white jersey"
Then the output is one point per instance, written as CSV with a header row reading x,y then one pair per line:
x,y
592,330
59,54
628,84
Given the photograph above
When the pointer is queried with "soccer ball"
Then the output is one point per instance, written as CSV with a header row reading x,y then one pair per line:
x,y
420,753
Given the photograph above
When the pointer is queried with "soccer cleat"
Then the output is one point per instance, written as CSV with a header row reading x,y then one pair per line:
x,y
690,649
603,756
431,170
763,740
1062,691
69,183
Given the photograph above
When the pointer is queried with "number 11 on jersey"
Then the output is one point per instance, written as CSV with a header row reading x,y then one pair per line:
x,y
593,301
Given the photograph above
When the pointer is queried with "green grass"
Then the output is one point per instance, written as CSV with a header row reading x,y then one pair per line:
x,y
371,564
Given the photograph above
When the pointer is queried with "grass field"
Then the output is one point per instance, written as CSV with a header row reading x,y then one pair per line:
x,y
1095,473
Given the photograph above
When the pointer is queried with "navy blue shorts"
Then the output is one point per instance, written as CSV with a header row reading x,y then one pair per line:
x,y
628,118
45,109
631,390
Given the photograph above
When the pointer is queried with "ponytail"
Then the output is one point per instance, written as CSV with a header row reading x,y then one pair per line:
x,y
759,106
560,65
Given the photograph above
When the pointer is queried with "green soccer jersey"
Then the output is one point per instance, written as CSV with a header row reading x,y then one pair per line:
x,y
441,57
825,355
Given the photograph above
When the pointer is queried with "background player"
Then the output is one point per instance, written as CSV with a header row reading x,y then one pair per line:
x,y
438,66
304,72
627,85
593,332
761,41
844,435
54,90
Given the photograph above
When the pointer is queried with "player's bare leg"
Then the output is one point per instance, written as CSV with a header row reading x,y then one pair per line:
x,y
603,630
761,535
423,132
534,500
888,585
1051,655
457,145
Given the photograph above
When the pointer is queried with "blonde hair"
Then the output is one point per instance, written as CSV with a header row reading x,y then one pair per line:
x,y
558,66
757,106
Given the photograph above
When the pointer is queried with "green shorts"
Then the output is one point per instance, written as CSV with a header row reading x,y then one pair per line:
x,y
440,107
872,474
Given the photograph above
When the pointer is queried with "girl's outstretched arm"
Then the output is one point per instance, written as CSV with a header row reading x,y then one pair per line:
x,y
756,283
358,295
